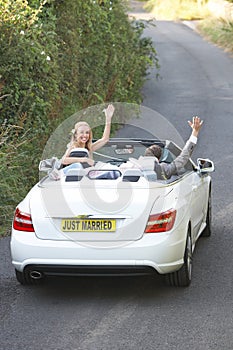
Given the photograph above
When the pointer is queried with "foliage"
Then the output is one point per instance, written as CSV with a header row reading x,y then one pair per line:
x,y
178,9
219,31
28,68
105,58
57,57
15,179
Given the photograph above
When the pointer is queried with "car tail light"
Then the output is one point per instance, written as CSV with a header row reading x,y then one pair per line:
x,y
161,222
22,221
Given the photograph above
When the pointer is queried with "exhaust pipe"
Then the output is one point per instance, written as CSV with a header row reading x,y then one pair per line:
x,y
36,275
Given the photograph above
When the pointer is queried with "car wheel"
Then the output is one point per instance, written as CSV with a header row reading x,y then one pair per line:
x,y
182,277
207,230
25,279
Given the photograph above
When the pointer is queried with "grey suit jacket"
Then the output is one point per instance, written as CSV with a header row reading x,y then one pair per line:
x,y
165,171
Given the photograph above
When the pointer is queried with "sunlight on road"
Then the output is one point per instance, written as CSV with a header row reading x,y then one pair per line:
x,y
137,11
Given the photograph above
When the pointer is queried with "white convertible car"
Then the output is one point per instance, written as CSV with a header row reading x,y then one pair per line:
x,y
114,218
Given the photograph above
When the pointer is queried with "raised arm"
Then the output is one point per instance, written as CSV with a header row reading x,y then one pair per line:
x,y
196,125
108,118
182,159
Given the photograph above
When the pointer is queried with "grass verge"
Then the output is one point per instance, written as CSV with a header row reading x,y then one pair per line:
x,y
219,31
177,9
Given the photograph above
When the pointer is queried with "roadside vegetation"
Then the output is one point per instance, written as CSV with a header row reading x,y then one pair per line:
x,y
219,31
178,9
216,27
58,57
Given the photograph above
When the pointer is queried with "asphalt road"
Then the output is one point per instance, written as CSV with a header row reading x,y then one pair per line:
x,y
141,313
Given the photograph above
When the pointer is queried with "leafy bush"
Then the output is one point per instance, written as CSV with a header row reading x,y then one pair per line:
x,y
28,68
16,153
104,57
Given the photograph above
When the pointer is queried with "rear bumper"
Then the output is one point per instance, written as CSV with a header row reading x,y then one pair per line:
x,y
91,270
162,253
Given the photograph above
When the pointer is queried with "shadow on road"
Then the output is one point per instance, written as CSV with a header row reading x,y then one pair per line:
x,y
82,287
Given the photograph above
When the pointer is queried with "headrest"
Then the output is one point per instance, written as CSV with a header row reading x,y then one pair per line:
x,y
132,175
79,152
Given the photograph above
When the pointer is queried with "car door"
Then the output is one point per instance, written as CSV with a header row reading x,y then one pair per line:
x,y
198,202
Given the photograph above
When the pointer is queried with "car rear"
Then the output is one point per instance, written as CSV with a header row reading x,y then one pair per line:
x,y
99,227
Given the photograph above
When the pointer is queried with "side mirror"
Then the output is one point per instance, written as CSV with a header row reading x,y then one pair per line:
x,y
205,166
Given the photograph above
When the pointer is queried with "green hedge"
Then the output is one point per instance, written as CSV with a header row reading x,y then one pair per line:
x,y
57,57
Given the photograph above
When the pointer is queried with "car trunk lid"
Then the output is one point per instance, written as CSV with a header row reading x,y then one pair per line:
x,y
94,211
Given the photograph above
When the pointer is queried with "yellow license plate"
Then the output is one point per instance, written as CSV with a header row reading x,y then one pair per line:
x,y
88,225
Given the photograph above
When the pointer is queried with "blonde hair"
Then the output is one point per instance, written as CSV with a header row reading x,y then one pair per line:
x,y
73,140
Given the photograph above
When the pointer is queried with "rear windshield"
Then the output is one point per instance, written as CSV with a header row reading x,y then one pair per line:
x,y
120,151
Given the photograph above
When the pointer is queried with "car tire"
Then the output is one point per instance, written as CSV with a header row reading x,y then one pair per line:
x,y
207,230
25,279
182,277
